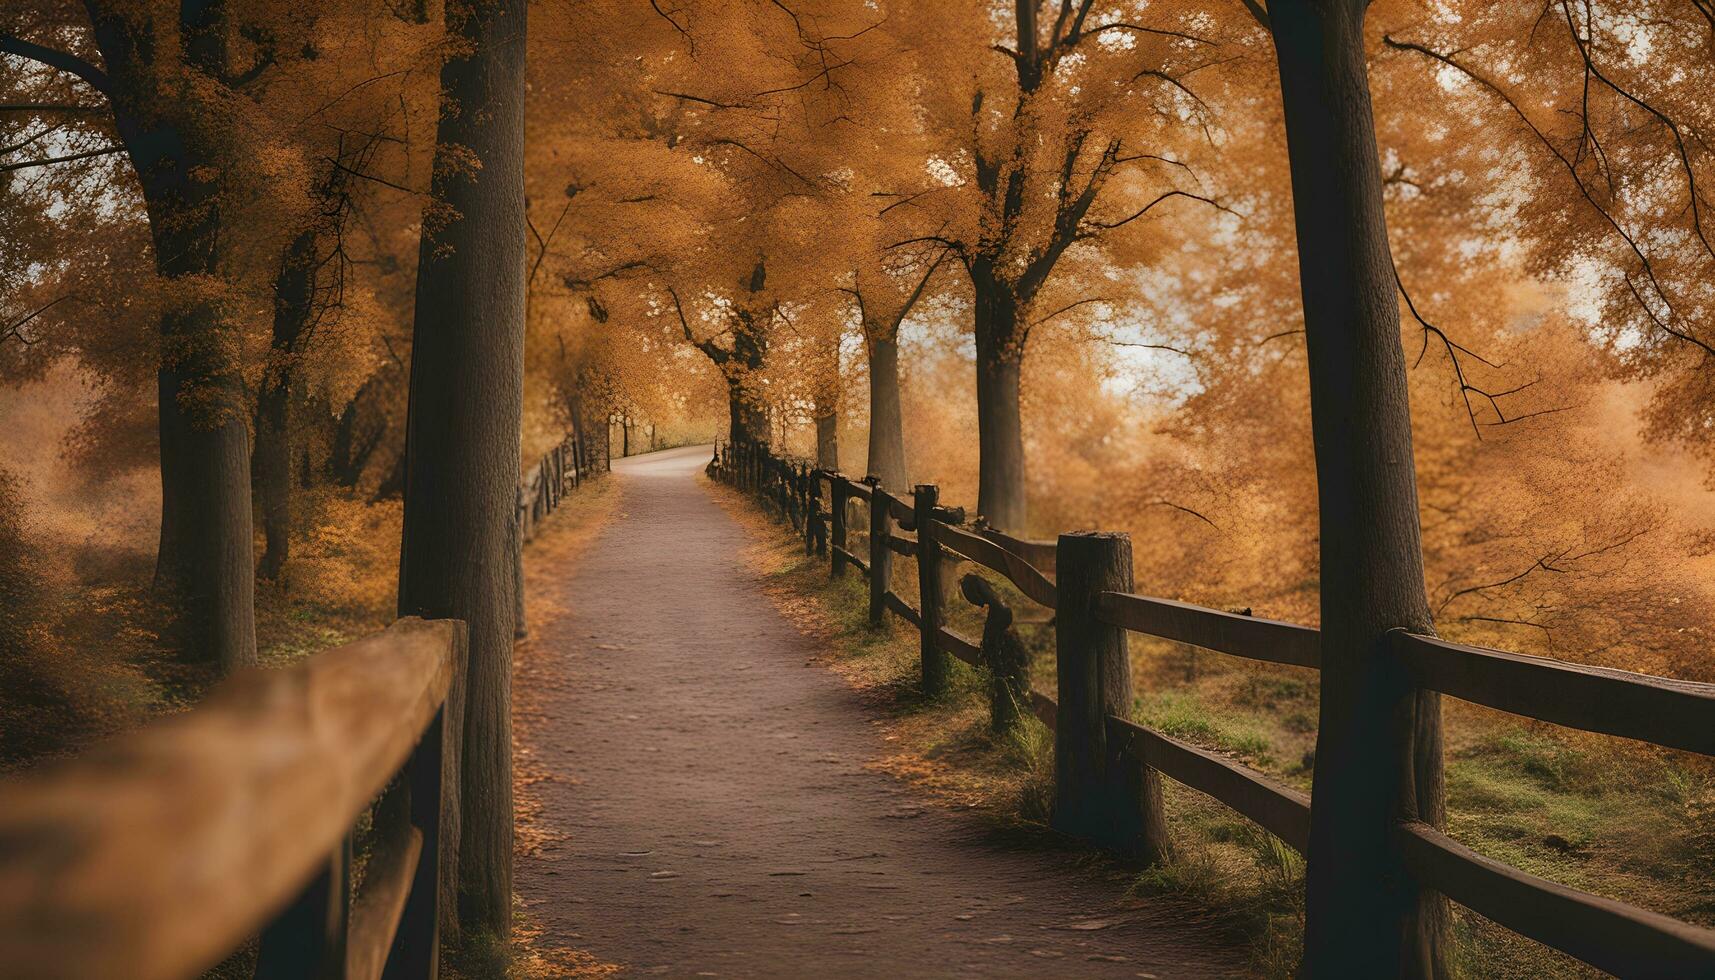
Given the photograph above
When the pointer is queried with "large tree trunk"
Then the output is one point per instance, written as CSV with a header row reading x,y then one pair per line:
x,y
1000,433
746,420
886,419
466,402
205,564
272,461
1379,748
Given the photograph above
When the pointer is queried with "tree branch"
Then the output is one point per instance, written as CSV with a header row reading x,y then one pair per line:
x,y
60,60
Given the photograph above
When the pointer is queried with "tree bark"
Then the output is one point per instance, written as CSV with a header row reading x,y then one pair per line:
x,y
466,404
1378,755
886,418
272,459
205,563
1000,433
746,421
828,440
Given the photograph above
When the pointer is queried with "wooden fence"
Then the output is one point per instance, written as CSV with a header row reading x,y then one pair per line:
x,y
1107,767
157,855
560,471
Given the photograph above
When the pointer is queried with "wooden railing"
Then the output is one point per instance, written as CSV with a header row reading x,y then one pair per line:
x,y
157,854
561,470
1107,766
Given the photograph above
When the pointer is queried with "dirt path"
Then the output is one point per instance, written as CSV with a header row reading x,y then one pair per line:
x,y
704,808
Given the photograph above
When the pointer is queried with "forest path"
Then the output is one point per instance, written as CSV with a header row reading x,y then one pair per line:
x,y
697,800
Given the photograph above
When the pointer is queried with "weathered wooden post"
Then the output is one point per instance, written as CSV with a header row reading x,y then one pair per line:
x,y
520,626
1099,793
308,939
931,591
880,558
810,504
1004,656
840,493
789,496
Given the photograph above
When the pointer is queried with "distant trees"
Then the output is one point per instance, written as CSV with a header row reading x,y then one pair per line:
x,y
167,95
242,211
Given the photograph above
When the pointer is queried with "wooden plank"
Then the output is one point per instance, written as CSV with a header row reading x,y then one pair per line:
x,y
1674,713
375,914
1610,935
307,938
852,559
902,545
1282,811
964,649
897,604
900,511
155,854
1040,554
1212,629
1045,708
858,490
981,550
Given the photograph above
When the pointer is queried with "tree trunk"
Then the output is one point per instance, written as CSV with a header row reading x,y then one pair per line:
x,y
272,461
1378,755
340,449
886,420
746,421
1000,433
828,440
206,561
466,403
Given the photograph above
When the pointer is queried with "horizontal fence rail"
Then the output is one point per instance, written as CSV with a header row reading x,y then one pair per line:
x,y
1212,629
157,854
1671,713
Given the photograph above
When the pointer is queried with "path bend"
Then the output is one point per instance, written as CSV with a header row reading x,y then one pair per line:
x,y
703,806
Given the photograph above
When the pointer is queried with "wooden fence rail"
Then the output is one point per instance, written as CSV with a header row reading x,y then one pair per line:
x,y
1106,763
158,854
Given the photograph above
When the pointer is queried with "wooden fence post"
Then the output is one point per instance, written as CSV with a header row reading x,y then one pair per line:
x,y
807,507
452,785
931,591
308,939
1099,793
1004,657
880,558
416,949
837,513
520,629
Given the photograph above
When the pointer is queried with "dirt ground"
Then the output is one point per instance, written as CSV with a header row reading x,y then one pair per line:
x,y
701,798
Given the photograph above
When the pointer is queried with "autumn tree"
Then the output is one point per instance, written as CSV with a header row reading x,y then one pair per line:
x,y
457,554
1617,178
1053,141
177,88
